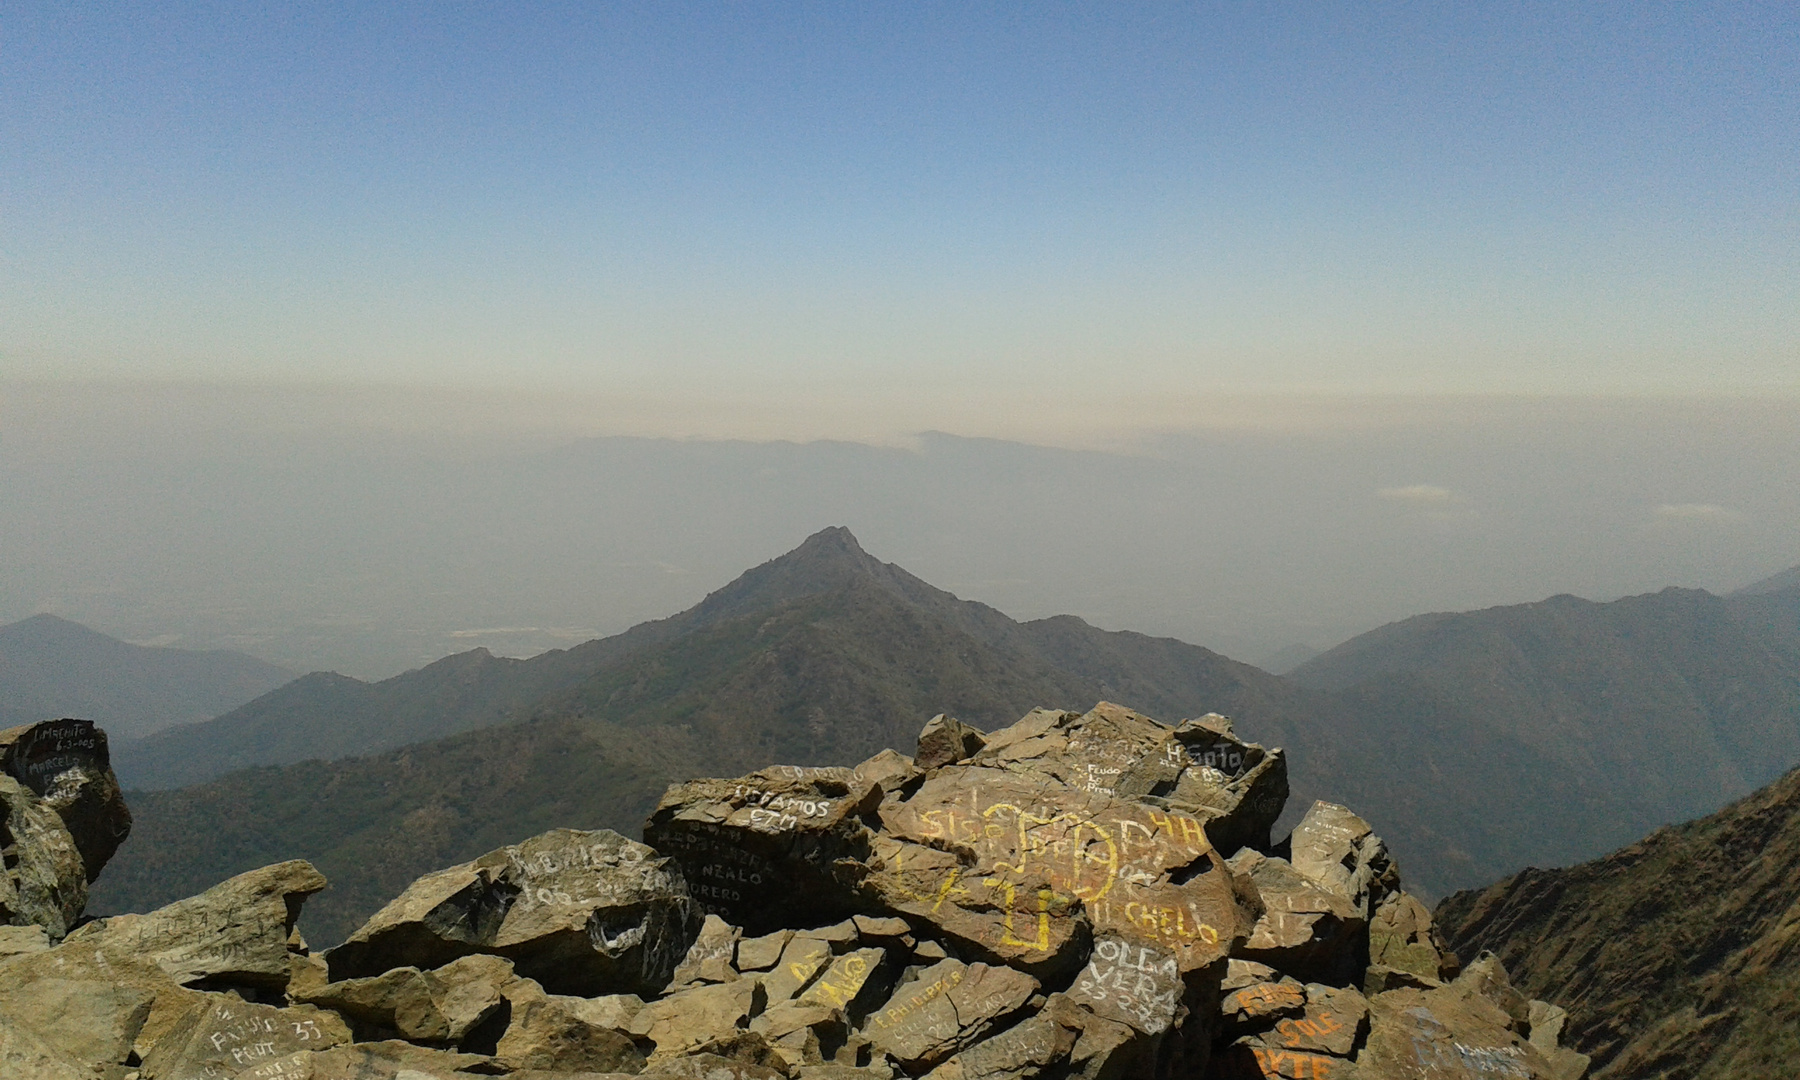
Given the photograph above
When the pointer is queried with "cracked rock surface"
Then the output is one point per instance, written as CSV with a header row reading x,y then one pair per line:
x,y
1079,895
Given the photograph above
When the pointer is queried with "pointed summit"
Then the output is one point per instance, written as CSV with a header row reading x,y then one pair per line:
x,y
827,561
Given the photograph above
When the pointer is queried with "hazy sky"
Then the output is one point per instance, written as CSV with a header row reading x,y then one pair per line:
x,y
931,215
356,334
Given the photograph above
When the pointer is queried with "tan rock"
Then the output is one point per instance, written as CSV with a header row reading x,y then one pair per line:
x,y
709,959
1027,1049
581,912
381,1060
1306,929
1402,936
801,962
685,1021
225,1035
711,1067
1341,852
1023,872
762,953
15,940
555,1032
23,1054
842,984
946,741
235,933
947,1007
1450,1031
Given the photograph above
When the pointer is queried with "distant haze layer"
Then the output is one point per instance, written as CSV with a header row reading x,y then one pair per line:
x,y
372,531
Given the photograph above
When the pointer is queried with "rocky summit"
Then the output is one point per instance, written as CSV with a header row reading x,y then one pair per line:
x,y
1091,895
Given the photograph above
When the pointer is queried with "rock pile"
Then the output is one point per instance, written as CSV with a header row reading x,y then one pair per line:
x,y
1076,896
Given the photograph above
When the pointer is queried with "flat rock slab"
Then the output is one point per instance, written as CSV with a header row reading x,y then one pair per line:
x,y
949,1006
1422,1034
225,1036
583,913
237,932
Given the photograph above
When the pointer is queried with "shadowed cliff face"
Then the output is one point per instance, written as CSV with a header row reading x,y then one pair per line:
x,y
1677,956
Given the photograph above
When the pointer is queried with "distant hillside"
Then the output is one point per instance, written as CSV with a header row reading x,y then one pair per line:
x,y
50,667
1787,579
1569,727
824,656
1678,956
333,716
1476,744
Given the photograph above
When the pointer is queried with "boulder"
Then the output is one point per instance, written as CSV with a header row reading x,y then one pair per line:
x,y
581,912
1402,936
761,850
848,983
383,1060
801,962
1199,767
1026,873
23,1054
89,1022
66,764
1341,852
946,740
1029,1048
44,881
801,1035
1449,1031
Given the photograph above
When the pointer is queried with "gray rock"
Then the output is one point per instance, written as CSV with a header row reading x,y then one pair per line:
x,y
66,764
581,912
762,850
44,881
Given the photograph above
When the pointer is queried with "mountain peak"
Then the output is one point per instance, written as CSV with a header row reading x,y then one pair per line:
x,y
826,561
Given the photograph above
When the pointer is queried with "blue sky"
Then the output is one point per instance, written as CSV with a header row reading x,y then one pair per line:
x,y
915,203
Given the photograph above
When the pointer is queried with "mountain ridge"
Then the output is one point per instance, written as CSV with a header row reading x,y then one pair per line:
x,y
52,667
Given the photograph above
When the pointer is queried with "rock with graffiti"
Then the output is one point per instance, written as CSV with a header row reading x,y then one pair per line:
x,y
1079,895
